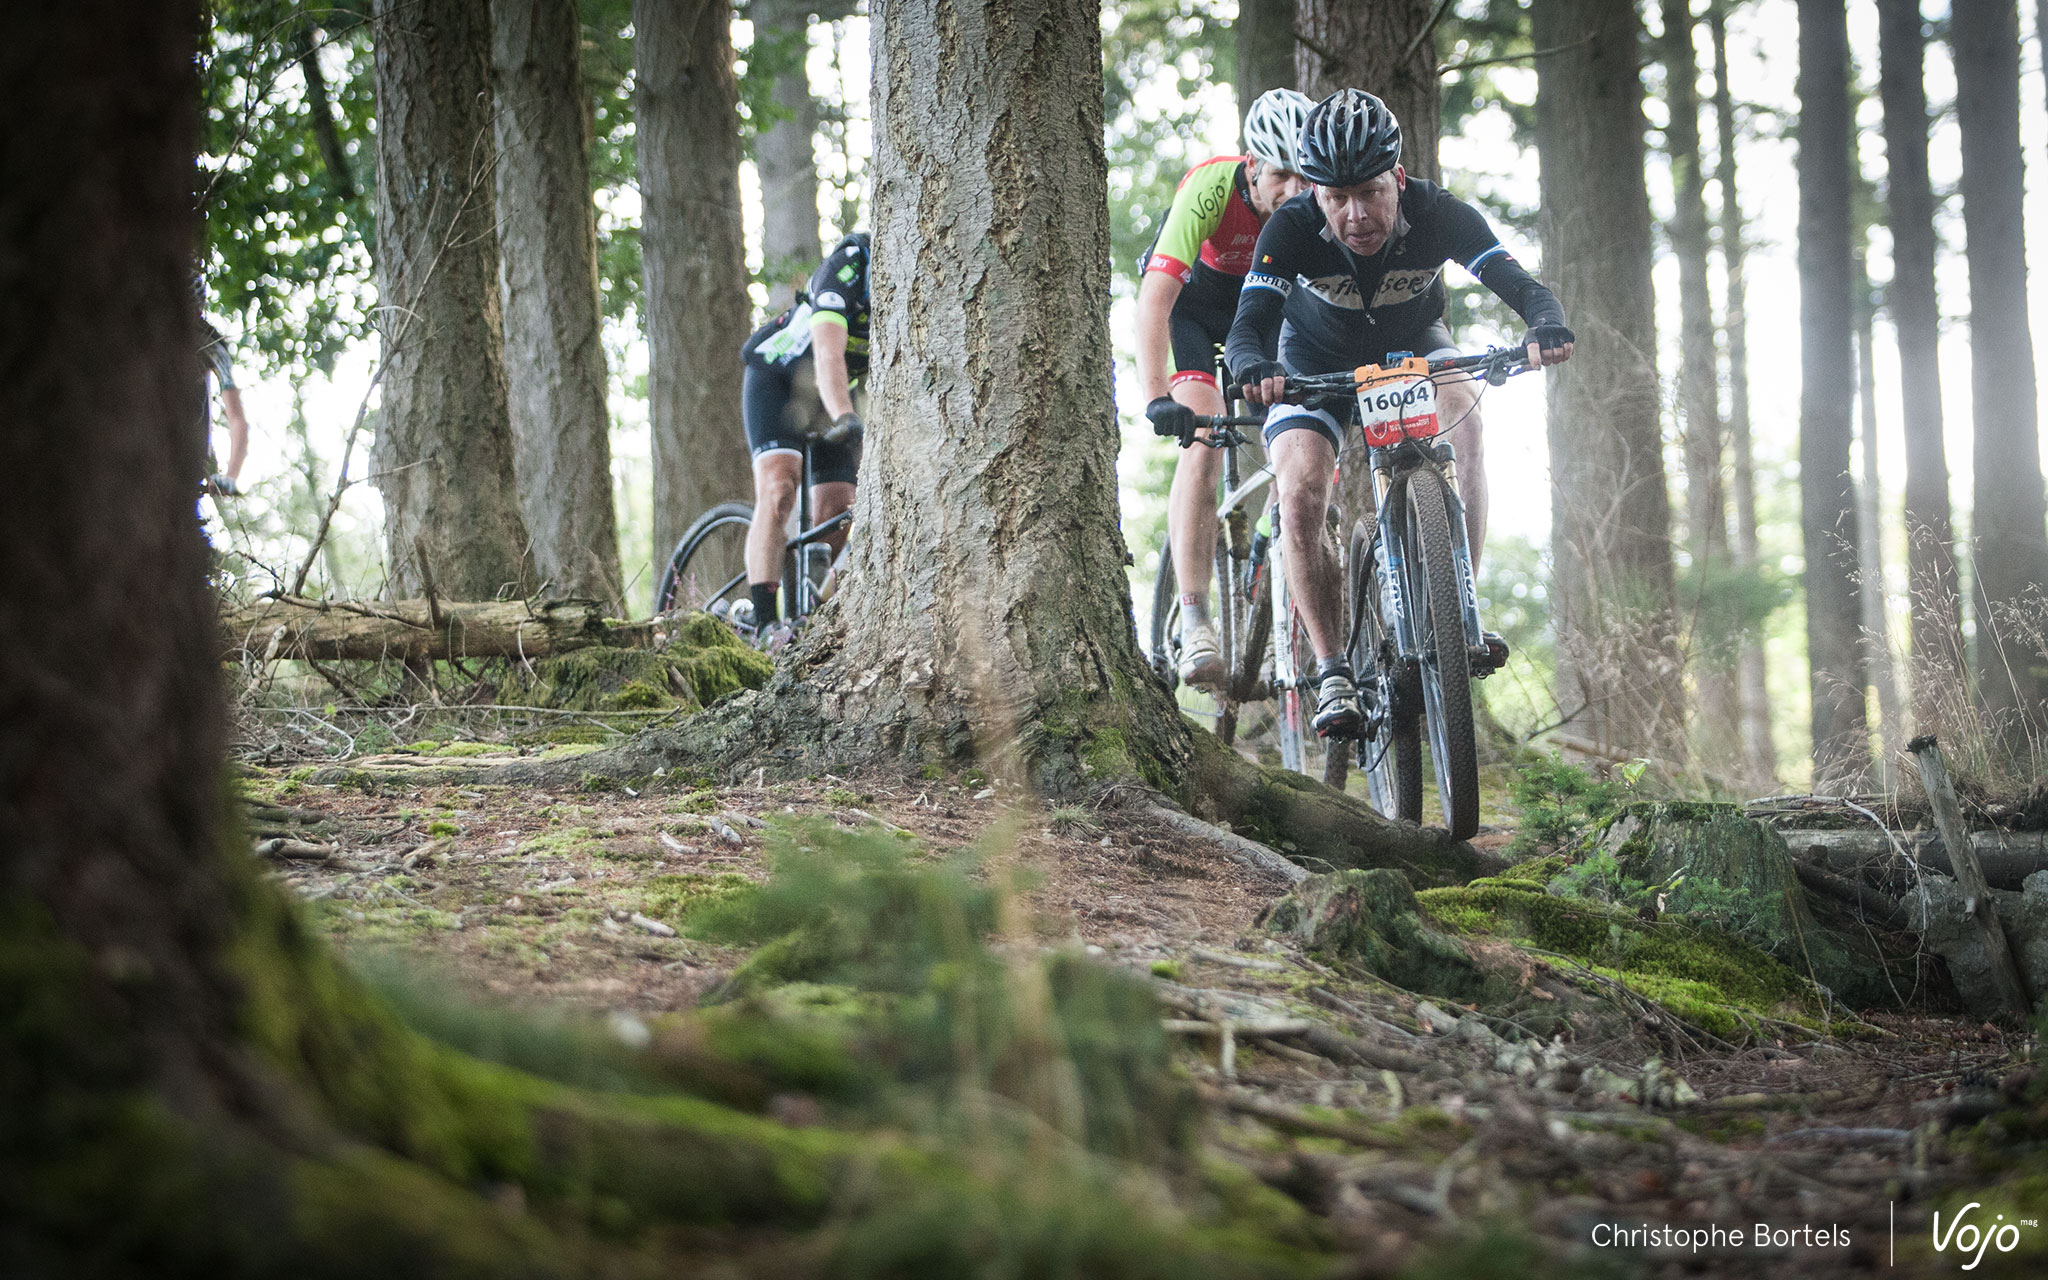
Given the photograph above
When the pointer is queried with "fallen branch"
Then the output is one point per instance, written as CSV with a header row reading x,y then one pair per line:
x,y
2008,857
1282,1116
421,630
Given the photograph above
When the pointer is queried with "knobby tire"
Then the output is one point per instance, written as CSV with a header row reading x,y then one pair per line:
x,y
676,574
1446,673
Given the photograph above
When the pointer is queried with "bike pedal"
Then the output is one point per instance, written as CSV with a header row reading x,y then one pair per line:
x,y
1489,657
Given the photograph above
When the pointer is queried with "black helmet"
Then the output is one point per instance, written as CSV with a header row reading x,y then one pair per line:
x,y
1350,137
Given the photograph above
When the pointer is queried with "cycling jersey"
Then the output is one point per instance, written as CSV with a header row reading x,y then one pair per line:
x,y
1206,242
1322,308
837,294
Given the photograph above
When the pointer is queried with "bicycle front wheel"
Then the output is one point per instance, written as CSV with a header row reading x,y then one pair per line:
x,y
1390,753
708,565
1446,666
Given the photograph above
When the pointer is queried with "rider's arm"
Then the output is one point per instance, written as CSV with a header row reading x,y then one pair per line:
x,y
1470,241
828,351
1196,212
1255,331
1157,293
238,430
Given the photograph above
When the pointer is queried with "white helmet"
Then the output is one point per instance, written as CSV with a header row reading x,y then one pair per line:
x,y
1273,126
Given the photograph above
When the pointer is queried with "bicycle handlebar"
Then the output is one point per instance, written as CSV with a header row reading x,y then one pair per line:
x,y
1223,433
1499,364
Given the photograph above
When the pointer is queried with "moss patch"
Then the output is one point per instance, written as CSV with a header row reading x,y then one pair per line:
x,y
1708,978
703,662
670,898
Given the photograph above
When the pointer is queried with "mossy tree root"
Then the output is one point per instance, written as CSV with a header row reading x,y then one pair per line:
x,y
333,1141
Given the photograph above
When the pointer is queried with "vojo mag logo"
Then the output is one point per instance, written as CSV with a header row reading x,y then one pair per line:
x,y
1965,1236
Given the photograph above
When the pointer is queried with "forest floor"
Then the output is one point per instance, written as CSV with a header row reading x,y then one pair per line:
x,y
1841,1146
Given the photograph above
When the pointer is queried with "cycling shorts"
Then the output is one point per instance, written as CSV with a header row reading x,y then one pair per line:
x,y
1197,327
783,414
1433,343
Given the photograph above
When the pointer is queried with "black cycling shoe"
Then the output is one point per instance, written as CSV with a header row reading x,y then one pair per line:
x,y
1496,654
1338,714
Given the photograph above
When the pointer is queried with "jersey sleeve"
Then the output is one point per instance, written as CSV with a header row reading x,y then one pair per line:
x,y
1255,331
1196,212
838,287
1470,241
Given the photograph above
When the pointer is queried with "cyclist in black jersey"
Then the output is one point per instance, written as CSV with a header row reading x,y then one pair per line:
x,y
803,361
1341,277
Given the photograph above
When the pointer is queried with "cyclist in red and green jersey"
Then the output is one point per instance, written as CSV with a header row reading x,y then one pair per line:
x,y
1186,301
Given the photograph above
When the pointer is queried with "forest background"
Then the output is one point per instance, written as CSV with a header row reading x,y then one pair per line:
x,y
290,163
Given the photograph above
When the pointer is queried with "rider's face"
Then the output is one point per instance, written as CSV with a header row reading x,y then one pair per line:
x,y
1273,186
1362,216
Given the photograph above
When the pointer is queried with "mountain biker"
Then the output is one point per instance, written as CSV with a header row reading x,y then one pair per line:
x,y
1185,303
214,358
803,361
1343,275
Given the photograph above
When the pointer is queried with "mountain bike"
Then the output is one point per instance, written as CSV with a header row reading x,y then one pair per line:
x,y
1262,640
699,572
1416,641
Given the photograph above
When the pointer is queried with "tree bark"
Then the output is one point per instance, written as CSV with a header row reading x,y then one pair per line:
x,y
1715,649
1386,47
444,440
1618,669
1827,394
786,159
2008,529
1265,49
1759,752
1939,672
686,105
985,612
547,272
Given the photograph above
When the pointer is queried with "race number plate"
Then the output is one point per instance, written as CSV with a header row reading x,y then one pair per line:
x,y
1397,405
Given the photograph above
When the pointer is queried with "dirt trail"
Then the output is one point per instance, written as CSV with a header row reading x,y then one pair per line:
x,y
1393,1116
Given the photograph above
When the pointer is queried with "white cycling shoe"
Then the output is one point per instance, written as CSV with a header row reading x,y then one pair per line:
x,y
1201,658
1338,713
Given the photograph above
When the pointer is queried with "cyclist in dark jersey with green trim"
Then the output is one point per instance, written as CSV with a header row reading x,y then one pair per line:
x,y
1345,275
1185,304
804,360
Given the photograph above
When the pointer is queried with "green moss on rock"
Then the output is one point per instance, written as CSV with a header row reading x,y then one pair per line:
x,y
1707,977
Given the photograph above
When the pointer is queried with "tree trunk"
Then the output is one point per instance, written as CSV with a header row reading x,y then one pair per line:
x,y
1715,646
787,161
1618,669
1939,672
985,613
1385,46
1265,49
1877,648
1759,752
444,439
547,271
2007,524
1827,394
686,105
